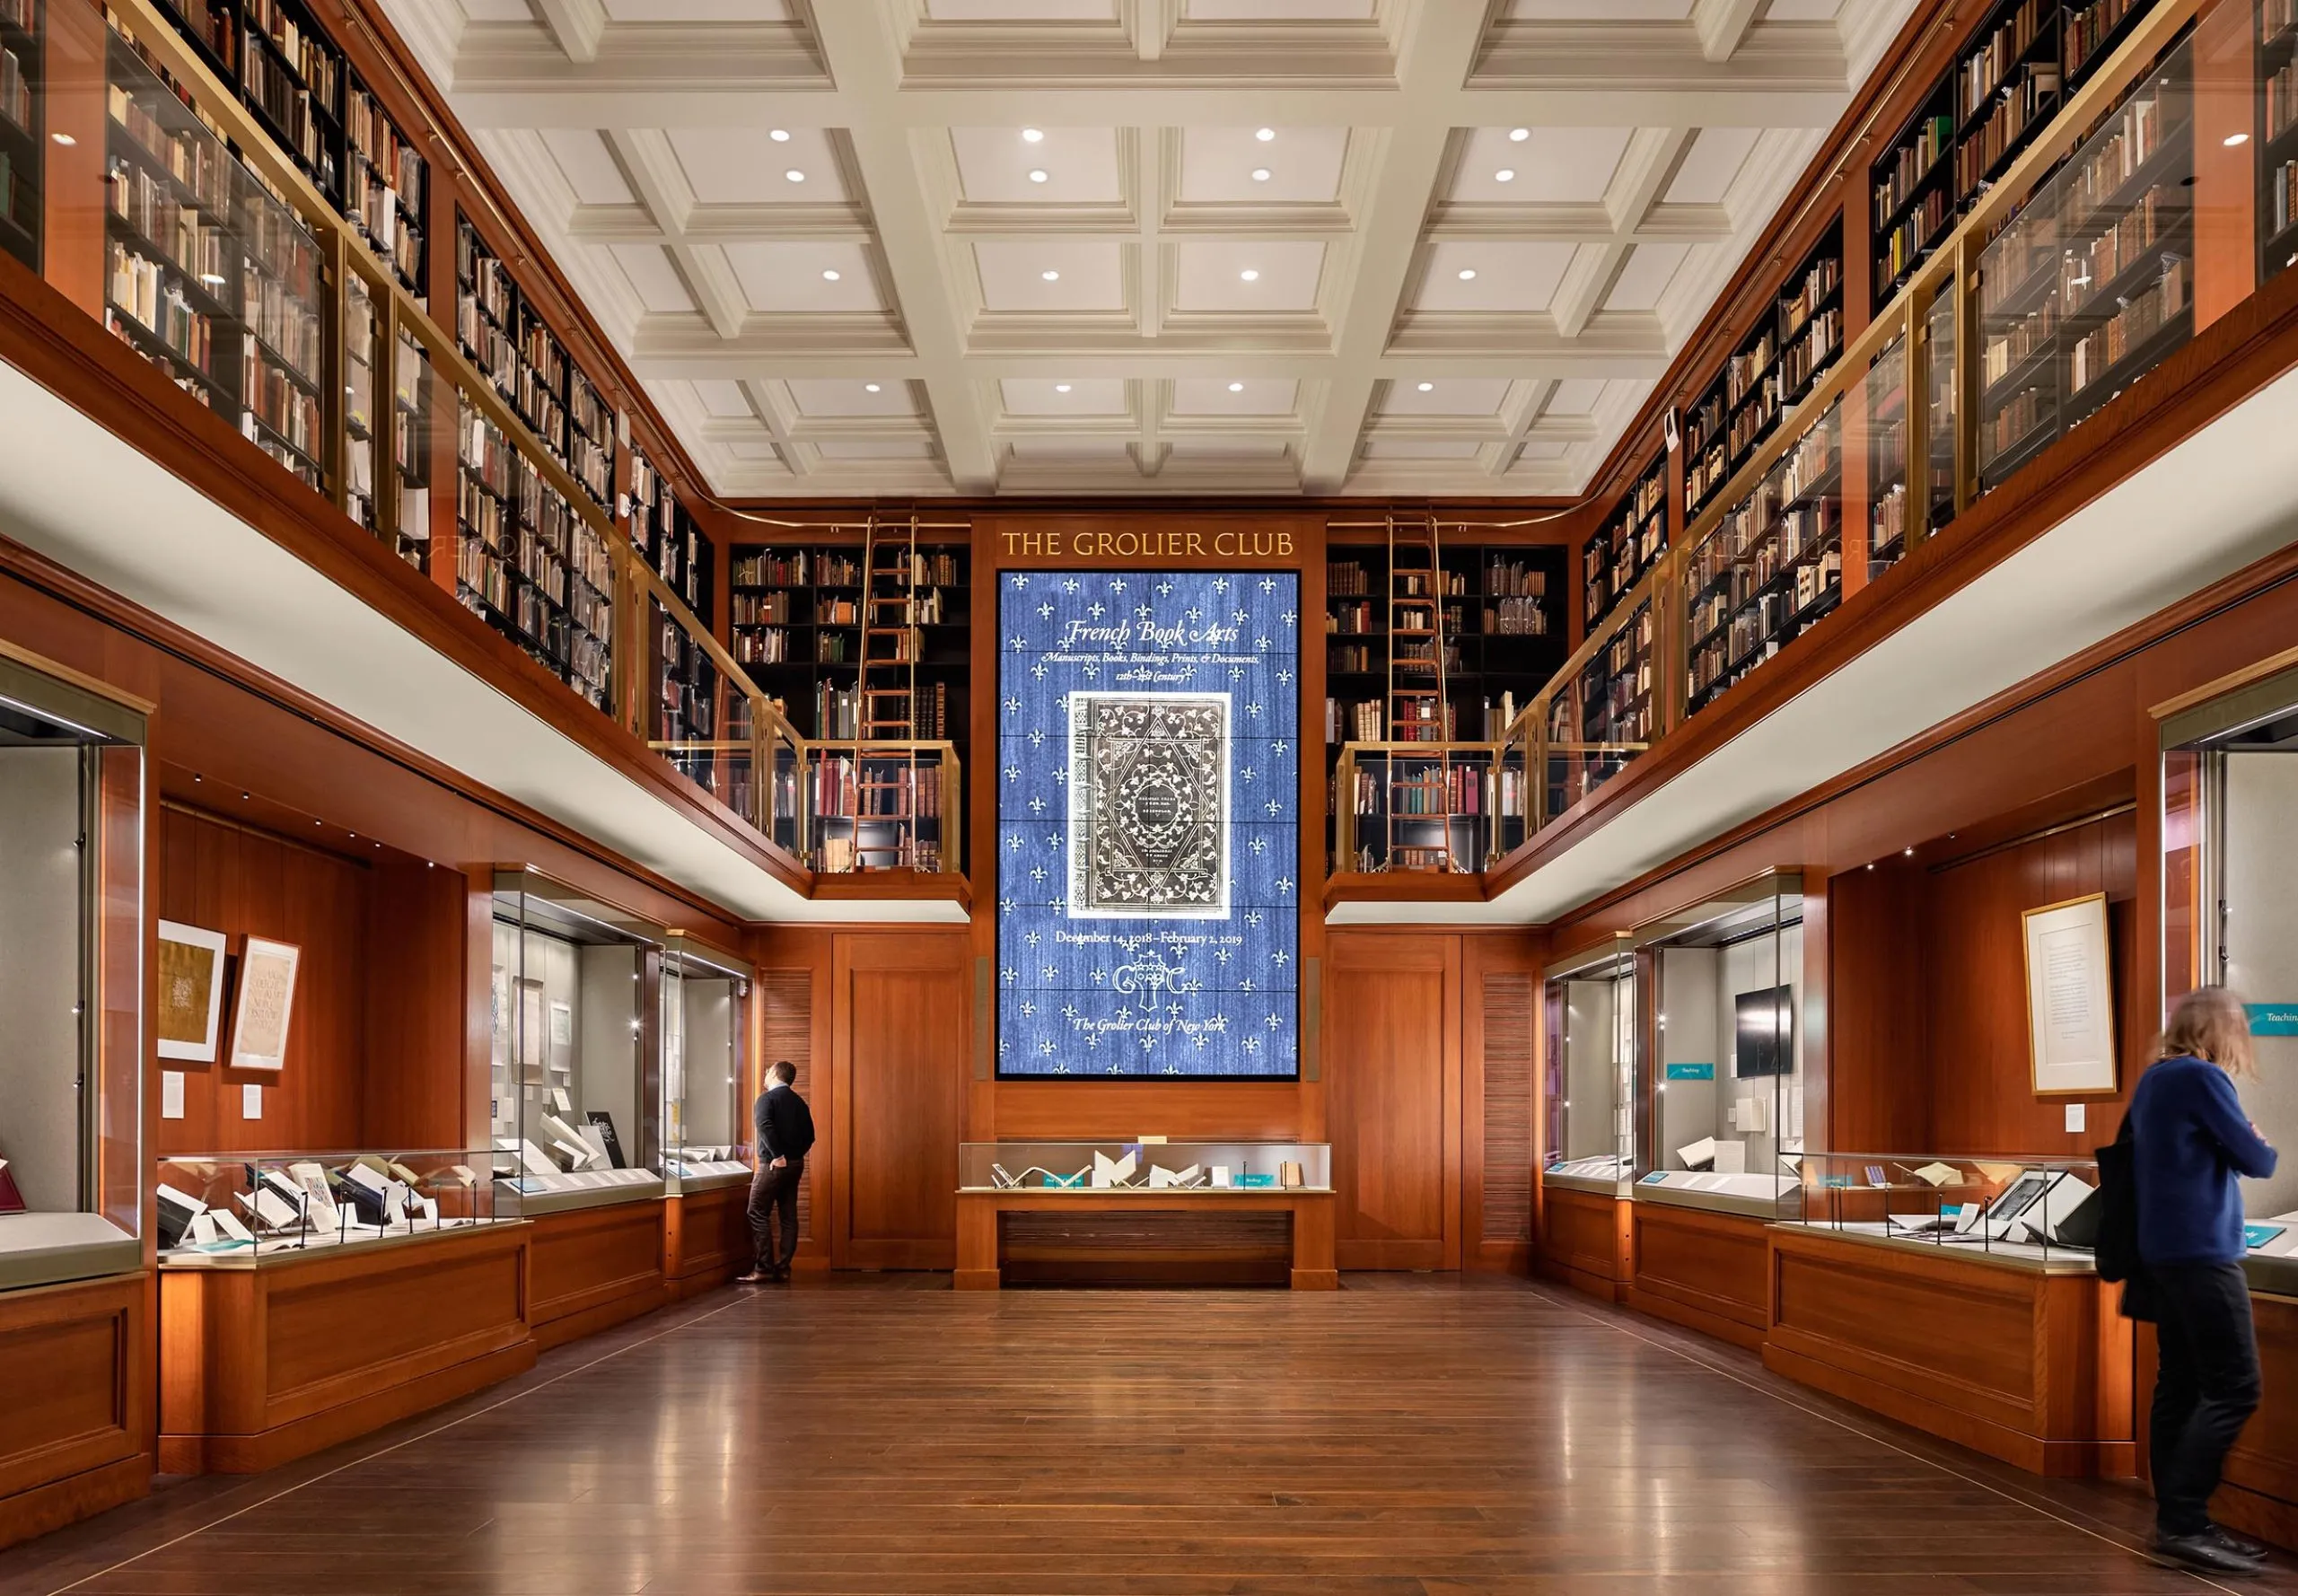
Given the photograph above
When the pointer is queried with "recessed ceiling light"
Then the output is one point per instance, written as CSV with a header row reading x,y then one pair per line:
x,y
1506,174
870,388
1236,387
794,175
1519,135
829,277
1050,276
65,139
1061,387
780,136
1031,135
2234,139
1038,176
1260,174
1265,134
1249,275
1428,388
1468,274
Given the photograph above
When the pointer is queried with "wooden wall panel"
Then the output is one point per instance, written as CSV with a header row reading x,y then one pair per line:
x,y
903,1058
75,1428
1878,1063
593,1267
1393,1097
1585,1240
1707,1271
1982,1097
1502,1013
785,1010
416,994
2260,1497
225,877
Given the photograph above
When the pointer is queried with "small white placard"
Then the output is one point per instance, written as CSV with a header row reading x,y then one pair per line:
x,y
251,1102
170,1094
2075,1117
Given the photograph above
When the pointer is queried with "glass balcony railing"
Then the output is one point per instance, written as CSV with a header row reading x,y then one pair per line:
x,y
2163,193
270,265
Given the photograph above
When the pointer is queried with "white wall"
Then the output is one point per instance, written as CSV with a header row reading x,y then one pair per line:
x,y
1591,1020
2262,930
40,936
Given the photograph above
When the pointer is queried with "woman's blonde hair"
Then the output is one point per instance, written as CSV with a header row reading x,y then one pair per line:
x,y
2209,1023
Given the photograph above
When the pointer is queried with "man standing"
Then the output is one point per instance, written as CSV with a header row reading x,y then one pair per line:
x,y
785,1135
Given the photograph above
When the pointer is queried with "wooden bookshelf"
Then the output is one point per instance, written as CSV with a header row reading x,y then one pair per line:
x,y
1502,629
1767,375
1628,545
667,538
797,613
2277,136
22,60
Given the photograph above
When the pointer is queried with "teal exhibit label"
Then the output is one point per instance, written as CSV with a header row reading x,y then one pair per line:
x,y
2255,1236
1691,1072
2273,1019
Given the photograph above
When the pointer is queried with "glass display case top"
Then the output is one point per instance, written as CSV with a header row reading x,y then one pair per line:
x,y
2034,1212
577,1090
705,1023
238,1209
1589,1084
1180,1166
72,1174
1720,1091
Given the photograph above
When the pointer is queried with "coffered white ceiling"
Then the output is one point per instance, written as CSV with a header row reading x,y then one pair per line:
x,y
866,247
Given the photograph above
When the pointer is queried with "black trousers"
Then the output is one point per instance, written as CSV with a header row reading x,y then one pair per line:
x,y
776,1192
2205,1389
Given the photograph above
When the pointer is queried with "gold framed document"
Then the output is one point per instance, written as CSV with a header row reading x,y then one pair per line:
x,y
267,1003
190,1018
2070,998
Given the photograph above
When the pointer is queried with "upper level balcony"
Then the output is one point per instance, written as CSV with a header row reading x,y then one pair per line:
x,y
2064,417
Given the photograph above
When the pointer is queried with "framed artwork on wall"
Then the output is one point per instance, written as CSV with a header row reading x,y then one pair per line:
x,y
267,1005
190,1020
2070,998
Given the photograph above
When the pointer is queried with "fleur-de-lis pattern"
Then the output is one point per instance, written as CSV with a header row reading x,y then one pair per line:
x,y
1149,995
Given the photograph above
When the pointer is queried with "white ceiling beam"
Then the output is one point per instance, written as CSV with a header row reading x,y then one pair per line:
x,y
720,224
859,48
1437,55
577,25
1723,25
652,167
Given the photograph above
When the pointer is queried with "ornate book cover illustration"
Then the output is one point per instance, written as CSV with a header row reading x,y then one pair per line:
x,y
1148,805
1148,823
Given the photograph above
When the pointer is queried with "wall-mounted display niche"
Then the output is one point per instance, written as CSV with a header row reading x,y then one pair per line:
x,y
1588,1090
576,1099
1720,1082
72,775
706,1065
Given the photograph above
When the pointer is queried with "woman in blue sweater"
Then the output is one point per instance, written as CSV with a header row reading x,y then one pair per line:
x,y
2190,1141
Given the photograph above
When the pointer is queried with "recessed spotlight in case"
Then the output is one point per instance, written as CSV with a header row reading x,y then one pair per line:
x,y
1061,387
871,388
1517,135
1468,274
829,277
1050,276
1428,388
1031,135
1260,174
1038,176
65,139
1236,387
780,136
2234,140
1249,275
1506,174
1265,134
794,175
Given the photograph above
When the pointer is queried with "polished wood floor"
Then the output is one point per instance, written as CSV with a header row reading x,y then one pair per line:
x,y
1408,1436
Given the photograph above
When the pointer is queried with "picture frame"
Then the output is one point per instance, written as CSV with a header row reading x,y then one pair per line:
x,y
534,1040
265,1011
188,1018
2070,998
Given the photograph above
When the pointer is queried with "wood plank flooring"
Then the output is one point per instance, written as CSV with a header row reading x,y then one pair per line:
x,y
1407,1436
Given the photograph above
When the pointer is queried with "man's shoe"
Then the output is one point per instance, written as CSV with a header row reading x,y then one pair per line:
x,y
755,1278
2242,1545
2204,1554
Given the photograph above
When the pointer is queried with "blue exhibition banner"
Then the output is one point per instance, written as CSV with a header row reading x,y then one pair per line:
x,y
1148,823
1691,1072
2273,1019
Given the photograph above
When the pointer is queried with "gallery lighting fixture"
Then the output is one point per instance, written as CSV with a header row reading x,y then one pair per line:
x,y
1050,276
794,175
1506,174
1428,388
829,277
1236,387
1265,134
1037,174
780,136
65,139
870,388
2234,140
1468,274
1517,135
1260,174
1907,853
1249,275
1061,387
1032,136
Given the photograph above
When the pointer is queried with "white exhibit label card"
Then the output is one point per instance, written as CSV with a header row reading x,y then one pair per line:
x,y
251,1102
170,1094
